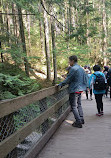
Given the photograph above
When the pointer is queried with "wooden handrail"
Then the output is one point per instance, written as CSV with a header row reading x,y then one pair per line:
x,y
12,141
12,105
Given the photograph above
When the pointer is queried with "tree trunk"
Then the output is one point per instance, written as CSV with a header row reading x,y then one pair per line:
x,y
14,19
63,16
23,40
28,29
8,26
104,45
76,12
41,32
66,16
1,53
47,50
17,25
54,51
1,28
1,19
73,16
86,3
70,17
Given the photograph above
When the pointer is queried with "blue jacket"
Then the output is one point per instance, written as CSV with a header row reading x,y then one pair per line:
x,y
76,79
91,82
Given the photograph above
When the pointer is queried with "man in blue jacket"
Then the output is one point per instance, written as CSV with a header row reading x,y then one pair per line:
x,y
77,81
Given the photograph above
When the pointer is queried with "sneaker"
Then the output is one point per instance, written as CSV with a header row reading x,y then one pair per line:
x,y
102,113
82,121
91,98
98,114
78,125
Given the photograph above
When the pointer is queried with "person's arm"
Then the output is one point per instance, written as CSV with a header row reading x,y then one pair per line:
x,y
69,78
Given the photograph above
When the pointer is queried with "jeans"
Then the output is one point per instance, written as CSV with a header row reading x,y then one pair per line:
x,y
75,102
99,102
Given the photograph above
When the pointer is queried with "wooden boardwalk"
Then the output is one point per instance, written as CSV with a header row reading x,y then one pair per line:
x,y
92,141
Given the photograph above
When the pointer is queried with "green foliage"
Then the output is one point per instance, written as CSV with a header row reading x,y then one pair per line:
x,y
82,35
6,95
24,115
13,85
68,48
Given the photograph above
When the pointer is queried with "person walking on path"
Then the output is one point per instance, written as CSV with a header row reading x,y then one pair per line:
x,y
108,77
98,81
77,81
105,71
91,91
87,89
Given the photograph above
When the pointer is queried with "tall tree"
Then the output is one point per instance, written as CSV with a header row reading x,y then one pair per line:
x,y
104,25
8,25
28,30
1,18
14,19
54,50
86,2
41,26
23,40
47,49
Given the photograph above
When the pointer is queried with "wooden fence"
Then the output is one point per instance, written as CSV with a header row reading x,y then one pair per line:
x,y
9,107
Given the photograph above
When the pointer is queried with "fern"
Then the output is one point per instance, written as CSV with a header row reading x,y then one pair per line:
x,y
13,86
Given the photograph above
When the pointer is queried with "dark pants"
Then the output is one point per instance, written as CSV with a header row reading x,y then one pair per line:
x,y
75,102
110,91
107,88
90,92
87,93
99,102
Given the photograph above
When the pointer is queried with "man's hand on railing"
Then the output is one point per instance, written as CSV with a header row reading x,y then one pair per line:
x,y
58,86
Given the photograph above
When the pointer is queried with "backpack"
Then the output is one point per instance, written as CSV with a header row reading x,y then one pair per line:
x,y
99,83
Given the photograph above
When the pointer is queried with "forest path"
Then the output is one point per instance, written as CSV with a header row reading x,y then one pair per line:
x,y
92,141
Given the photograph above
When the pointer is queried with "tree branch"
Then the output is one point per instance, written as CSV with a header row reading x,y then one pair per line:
x,y
51,14
15,14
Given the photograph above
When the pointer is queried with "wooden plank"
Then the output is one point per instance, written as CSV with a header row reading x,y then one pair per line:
x,y
12,141
42,142
10,106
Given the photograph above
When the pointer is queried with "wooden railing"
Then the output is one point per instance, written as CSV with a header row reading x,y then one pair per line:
x,y
11,106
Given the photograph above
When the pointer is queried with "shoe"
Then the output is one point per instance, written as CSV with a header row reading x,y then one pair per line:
x,y
102,113
98,114
82,121
91,98
78,125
